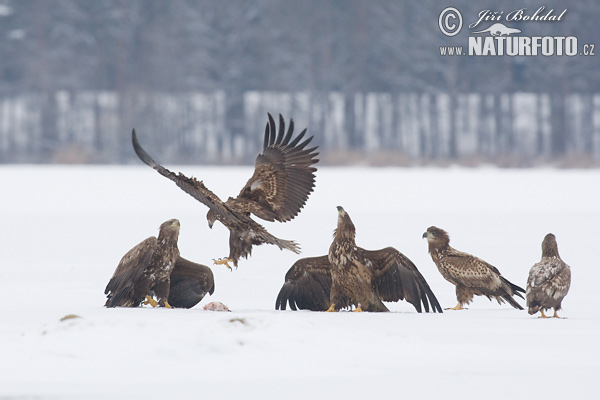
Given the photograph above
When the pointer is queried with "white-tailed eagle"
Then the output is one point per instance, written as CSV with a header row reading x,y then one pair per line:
x,y
549,280
471,275
283,178
350,275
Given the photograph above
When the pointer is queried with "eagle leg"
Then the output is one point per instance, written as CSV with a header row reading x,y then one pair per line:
x,y
358,309
543,315
457,307
331,308
167,305
556,315
151,301
224,261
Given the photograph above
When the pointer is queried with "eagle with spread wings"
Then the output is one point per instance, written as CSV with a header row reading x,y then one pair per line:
x,y
471,275
283,178
549,280
350,275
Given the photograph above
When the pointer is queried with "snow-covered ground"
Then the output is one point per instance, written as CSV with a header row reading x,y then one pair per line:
x,y
64,230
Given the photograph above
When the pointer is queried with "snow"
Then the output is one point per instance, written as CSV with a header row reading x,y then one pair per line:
x,y
65,229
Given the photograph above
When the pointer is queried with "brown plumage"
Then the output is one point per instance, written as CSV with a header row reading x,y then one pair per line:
x,y
350,275
471,275
282,181
549,280
190,282
145,269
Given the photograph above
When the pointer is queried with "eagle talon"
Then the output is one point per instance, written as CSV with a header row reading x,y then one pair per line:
x,y
358,309
331,308
224,261
151,301
457,307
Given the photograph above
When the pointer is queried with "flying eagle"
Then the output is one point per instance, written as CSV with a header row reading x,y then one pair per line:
x,y
189,283
145,269
350,275
471,275
549,280
282,181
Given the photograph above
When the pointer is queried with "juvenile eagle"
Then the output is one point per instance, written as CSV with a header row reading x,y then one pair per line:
x,y
282,180
549,280
471,275
350,275
190,282
145,269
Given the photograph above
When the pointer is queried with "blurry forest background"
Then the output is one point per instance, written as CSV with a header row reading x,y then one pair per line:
x,y
196,79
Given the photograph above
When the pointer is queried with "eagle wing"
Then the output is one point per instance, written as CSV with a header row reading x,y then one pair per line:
x,y
307,285
283,175
191,186
397,278
548,282
481,277
122,284
190,282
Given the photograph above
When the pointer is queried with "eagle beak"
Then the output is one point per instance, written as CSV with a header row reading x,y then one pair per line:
x,y
424,235
340,210
210,224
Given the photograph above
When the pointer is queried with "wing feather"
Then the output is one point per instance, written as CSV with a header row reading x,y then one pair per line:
x,y
191,186
122,284
190,282
307,285
397,278
283,176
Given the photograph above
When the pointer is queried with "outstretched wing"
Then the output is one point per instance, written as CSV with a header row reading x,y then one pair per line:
x,y
191,186
307,285
189,283
283,175
122,284
397,278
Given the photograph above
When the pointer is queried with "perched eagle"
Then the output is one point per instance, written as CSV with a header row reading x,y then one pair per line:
x,y
189,283
282,180
350,275
145,269
549,280
471,275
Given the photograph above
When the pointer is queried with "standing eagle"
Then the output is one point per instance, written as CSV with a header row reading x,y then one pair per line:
x,y
549,280
282,180
190,282
471,275
145,269
350,275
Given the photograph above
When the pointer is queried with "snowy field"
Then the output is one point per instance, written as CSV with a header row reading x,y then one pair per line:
x,y
65,229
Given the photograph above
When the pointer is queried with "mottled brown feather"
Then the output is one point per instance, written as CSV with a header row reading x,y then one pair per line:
x,y
471,275
279,188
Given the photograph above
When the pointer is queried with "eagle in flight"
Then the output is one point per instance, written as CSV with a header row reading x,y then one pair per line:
x,y
549,280
283,178
471,275
350,275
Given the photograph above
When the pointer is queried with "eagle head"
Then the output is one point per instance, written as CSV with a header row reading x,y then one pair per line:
x,y
170,229
436,237
211,217
549,246
345,227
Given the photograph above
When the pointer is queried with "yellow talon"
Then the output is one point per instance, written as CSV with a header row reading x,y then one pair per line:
x,y
167,305
224,261
358,309
151,301
457,307
556,315
544,315
331,308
